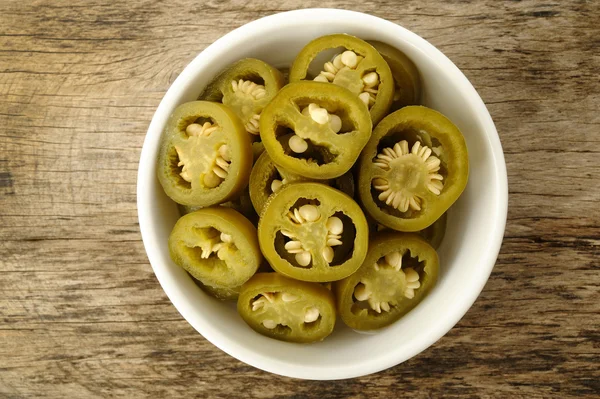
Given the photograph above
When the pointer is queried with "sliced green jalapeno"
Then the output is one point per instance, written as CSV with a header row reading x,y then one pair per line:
x,y
312,232
242,204
285,73
217,246
359,68
266,179
316,130
413,169
222,293
345,183
257,149
205,155
433,234
286,309
398,272
406,76
246,87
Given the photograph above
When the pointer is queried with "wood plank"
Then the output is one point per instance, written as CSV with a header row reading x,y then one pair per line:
x,y
82,313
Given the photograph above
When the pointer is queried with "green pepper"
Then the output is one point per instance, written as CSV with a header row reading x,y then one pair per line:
x,y
413,169
242,204
217,246
257,150
399,271
246,87
433,234
222,293
345,183
316,130
406,76
266,178
312,232
360,69
205,155
286,309
285,73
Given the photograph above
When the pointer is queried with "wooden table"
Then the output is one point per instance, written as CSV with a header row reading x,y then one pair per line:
x,y
82,313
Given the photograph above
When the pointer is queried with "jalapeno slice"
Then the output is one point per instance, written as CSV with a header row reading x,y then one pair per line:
x,y
399,270
266,179
413,169
222,293
217,246
316,130
246,87
407,80
358,67
285,73
258,149
285,309
205,155
242,204
345,183
312,232
433,234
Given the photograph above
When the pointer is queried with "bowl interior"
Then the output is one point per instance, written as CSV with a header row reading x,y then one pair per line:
x,y
475,223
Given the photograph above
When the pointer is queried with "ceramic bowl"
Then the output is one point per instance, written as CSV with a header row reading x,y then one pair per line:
x,y
475,223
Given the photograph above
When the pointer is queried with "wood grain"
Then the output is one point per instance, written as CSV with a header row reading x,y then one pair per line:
x,y
82,313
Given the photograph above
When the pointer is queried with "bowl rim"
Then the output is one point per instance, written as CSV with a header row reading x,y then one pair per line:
x,y
238,350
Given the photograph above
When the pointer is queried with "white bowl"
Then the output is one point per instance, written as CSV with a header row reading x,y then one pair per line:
x,y
475,223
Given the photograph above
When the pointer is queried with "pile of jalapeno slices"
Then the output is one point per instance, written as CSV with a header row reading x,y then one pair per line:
x,y
318,197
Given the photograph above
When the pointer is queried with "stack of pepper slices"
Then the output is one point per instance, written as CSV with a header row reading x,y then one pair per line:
x,y
321,197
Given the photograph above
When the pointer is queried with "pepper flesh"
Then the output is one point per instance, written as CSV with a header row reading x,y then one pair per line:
x,y
186,161
221,293
406,76
351,79
264,177
345,184
286,309
231,89
379,293
328,154
217,246
435,233
408,176
242,204
315,247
